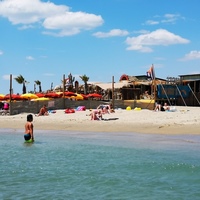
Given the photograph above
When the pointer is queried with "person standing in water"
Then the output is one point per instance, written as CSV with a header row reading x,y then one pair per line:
x,y
29,128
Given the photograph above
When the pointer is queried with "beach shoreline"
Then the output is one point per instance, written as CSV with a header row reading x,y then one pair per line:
x,y
185,120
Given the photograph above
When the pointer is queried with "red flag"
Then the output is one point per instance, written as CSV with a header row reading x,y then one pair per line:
x,y
151,73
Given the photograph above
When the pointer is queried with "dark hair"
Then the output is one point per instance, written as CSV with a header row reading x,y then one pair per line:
x,y
29,118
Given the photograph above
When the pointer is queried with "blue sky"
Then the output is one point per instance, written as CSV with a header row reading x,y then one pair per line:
x,y
42,40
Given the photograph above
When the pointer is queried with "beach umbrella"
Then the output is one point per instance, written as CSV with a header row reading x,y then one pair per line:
x,y
40,94
41,99
84,96
52,95
67,94
29,96
13,97
94,95
2,96
77,97
70,94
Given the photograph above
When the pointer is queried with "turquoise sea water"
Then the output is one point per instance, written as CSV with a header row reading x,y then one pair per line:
x,y
64,165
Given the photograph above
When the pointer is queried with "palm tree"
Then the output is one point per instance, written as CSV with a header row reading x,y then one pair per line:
x,y
20,79
85,79
39,84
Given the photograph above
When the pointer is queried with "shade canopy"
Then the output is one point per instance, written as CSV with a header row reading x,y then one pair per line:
x,y
40,94
68,94
12,97
29,96
41,99
94,95
2,96
52,95
77,97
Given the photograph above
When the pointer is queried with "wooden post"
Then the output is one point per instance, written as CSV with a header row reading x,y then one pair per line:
x,y
113,96
154,90
10,106
64,91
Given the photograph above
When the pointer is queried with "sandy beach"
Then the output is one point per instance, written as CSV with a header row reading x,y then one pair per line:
x,y
185,120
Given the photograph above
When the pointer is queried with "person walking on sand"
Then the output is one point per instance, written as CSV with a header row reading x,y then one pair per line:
x,y
29,128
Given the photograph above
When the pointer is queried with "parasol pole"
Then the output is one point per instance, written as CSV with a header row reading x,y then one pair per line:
x,y
154,83
64,90
113,97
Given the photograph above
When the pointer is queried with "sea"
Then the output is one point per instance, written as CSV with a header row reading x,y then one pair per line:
x,y
99,166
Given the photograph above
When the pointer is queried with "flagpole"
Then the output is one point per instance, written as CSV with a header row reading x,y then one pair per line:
x,y
151,74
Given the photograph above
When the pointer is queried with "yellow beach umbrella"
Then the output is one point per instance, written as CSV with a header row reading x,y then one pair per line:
x,y
79,97
2,96
29,96
41,99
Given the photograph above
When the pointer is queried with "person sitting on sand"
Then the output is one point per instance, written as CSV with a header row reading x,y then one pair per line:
x,y
96,114
43,111
159,107
107,108
166,107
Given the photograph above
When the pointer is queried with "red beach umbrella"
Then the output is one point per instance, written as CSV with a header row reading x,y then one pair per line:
x,y
84,96
13,97
94,95
52,95
67,94
40,94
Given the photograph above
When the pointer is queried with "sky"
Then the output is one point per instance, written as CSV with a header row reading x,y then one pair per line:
x,y
44,40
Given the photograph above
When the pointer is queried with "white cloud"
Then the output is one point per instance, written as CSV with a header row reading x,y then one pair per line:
x,y
171,18
151,22
29,58
193,55
141,32
29,11
167,18
111,33
24,27
1,52
71,23
52,17
144,42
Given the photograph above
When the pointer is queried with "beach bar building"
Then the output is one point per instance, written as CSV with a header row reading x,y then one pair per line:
x,y
192,81
182,91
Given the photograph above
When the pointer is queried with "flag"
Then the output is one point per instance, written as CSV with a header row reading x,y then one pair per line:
x,y
151,73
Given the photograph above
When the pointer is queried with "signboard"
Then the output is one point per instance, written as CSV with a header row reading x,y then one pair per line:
x,y
172,91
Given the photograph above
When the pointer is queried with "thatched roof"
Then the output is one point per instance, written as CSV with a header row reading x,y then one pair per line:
x,y
132,78
117,85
